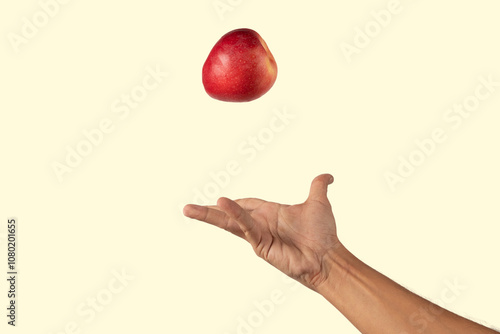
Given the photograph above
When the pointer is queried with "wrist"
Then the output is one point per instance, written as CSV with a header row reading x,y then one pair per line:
x,y
336,267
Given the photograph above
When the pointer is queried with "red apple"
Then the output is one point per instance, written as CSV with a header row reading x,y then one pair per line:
x,y
240,67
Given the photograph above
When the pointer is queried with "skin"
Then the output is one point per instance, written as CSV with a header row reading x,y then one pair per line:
x,y
301,241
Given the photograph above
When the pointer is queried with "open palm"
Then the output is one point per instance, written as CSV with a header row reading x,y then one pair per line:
x,y
293,238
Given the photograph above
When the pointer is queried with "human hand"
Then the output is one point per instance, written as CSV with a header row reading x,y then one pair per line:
x,y
301,241
295,239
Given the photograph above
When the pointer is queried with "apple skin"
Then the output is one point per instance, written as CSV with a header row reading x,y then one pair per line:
x,y
240,67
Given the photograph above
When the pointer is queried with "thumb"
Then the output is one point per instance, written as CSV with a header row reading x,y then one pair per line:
x,y
319,187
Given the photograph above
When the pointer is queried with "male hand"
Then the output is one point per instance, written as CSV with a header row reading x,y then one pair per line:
x,y
293,238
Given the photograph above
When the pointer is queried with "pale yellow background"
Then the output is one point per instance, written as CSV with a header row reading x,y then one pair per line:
x,y
121,207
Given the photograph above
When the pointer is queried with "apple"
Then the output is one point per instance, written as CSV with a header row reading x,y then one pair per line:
x,y
240,67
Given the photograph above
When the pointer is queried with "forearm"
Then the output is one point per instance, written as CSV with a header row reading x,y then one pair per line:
x,y
375,304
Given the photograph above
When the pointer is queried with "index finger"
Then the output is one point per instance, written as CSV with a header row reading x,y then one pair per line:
x,y
214,216
246,223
